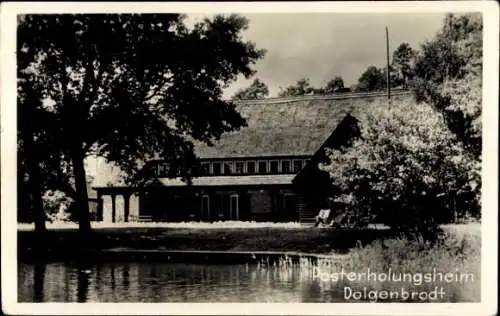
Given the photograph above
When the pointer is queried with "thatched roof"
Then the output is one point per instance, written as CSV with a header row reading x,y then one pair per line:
x,y
294,126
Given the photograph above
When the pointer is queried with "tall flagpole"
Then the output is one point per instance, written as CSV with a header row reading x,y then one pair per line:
x,y
388,80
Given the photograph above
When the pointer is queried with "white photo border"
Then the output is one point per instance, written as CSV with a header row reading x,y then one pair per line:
x,y
490,11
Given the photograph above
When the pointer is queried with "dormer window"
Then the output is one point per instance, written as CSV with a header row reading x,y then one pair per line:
x,y
161,170
297,165
239,167
274,166
251,167
216,169
205,168
285,166
263,167
228,168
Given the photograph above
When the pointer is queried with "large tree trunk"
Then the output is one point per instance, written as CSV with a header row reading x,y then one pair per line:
x,y
82,199
38,210
27,117
35,189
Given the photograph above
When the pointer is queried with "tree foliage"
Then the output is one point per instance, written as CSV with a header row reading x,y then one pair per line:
x,y
449,76
417,164
372,79
405,169
334,85
403,63
401,71
302,87
256,90
129,87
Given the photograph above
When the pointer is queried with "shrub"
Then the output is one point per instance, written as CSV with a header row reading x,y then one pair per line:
x,y
417,165
56,206
404,169
457,251
452,253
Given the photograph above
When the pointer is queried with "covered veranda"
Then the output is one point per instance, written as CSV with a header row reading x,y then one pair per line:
x,y
114,192
205,199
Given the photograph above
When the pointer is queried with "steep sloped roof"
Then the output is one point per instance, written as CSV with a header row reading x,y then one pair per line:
x,y
285,126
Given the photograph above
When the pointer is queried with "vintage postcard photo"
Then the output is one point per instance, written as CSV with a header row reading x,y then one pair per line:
x,y
293,158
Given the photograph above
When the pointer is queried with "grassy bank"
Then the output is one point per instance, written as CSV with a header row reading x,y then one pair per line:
x,y
245,237
227,236
452,266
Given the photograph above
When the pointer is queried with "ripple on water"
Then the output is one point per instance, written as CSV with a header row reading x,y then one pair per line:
x,y
167,282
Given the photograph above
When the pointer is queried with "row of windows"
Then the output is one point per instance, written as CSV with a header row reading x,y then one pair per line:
x,y
217,168
253,167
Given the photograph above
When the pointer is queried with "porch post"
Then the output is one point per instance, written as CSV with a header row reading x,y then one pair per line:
x,y
99,207
126,200
113,207
274,210
141,203
242,197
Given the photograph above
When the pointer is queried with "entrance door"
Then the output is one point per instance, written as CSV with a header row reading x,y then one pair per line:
x,y
289,207
234,210
205,208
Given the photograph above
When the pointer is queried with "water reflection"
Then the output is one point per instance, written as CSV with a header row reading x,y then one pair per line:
x,y
38,280
164,282
83,275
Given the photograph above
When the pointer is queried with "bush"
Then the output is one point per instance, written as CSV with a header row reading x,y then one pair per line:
x,y
404,169
454,252
415,265
56,206
417,165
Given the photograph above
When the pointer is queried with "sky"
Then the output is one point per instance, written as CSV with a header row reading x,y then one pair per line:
x,y
320,46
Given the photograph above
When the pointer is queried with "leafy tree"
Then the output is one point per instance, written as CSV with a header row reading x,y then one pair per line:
x,y
30,135
404,169
395,79
403,60
302,87
129,87
257,90
418,164
449,76
334,85
372,79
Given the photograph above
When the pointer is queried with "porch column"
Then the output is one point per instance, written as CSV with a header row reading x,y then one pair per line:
x,y
274,210
126,200
100,207
113,207
242,205
142,207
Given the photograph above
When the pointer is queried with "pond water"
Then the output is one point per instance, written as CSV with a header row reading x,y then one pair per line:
x,y
169,282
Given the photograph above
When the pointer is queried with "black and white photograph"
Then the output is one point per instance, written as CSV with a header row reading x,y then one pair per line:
x,y
249,153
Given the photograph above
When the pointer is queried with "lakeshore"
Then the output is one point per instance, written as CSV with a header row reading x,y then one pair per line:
x,y
255,251
132,238
245,238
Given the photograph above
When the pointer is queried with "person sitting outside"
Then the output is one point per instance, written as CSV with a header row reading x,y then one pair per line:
x,y
322,217
324,213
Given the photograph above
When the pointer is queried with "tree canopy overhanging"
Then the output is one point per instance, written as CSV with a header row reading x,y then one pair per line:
x,y
126,87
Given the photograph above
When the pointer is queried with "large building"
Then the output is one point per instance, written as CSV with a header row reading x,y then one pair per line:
x,y
266,171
